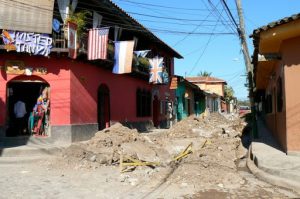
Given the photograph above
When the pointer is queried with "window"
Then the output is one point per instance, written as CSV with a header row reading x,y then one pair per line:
x,y
269,104
143,103
279,95
168,61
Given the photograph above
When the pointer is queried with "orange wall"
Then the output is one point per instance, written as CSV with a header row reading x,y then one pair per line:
x,y
217,88
291,59
276,121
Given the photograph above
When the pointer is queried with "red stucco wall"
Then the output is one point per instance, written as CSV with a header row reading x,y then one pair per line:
x,y
74,86
85,81
58,77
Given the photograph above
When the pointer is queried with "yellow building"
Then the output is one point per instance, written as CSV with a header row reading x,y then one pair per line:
x,y
209,84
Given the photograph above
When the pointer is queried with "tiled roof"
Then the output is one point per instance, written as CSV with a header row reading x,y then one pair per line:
x,y
276,23
176,54
205,80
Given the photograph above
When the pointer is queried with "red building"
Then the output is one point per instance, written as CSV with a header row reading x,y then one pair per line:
x,y
85,96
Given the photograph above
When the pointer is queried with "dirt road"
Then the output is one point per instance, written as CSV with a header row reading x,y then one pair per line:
x,y
40,180
215,168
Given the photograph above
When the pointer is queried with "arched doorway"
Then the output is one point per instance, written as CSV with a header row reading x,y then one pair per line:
x,y
103,107
156,104
25,89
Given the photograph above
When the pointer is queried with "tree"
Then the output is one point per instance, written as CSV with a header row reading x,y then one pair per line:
x,y
228,93
204,74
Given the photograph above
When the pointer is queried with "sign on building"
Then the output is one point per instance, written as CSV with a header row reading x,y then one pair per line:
x,y
16,67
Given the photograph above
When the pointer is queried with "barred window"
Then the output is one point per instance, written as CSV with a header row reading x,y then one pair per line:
x,y
143,103
279,95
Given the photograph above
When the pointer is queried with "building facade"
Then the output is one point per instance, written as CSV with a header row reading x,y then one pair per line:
x,y
276,73
214,91
85,96
190,99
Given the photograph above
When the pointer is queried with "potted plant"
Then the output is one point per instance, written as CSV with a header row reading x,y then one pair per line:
x,y
80,19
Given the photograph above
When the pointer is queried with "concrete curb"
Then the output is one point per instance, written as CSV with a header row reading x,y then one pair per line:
x,y
23,160
30,151
274,180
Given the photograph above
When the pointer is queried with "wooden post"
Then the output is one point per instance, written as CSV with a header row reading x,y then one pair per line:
x,y
249,66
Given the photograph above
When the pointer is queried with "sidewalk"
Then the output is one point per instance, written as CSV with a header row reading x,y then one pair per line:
x,y
13,149
267,162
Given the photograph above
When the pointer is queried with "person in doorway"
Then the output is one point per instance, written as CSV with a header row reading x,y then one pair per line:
x,y
46,107
39,119
38,116
169,114
20,112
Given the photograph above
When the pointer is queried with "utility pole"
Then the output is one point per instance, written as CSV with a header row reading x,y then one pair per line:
x,y
242,34
249,66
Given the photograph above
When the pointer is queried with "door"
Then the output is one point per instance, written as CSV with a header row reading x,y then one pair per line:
x,y
103,107
156,106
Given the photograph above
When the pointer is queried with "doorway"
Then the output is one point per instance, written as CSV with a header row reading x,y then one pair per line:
x,y
103,107
27,92
156,106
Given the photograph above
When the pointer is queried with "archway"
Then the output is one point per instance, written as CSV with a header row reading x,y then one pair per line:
x,y
25,89
156,105
103,107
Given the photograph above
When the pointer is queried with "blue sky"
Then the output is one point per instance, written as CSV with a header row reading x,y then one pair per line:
x,y
220,54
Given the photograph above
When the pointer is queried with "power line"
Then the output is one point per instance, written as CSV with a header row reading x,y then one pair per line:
x,y
162,9
218,13
205,47
162,6
195,29
171,18
229,12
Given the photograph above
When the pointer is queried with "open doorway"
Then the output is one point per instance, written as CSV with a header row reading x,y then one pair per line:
x,y
103,107
156,107
27,92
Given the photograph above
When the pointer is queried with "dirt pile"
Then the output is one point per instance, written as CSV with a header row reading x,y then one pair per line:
x,y
104,148
214,144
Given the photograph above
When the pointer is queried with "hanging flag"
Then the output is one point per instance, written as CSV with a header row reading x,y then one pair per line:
x,y
63,8
72,38
123,57
141,53
97,46
156,70
97,19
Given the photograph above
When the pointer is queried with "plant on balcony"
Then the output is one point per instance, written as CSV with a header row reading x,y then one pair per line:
x,y
140,63
81,19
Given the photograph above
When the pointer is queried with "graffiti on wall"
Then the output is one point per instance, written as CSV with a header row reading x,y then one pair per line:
x,y
33,43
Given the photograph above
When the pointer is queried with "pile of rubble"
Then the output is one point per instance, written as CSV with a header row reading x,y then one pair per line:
x,y
215,142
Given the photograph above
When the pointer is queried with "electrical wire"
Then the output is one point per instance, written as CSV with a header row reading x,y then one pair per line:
x,y
228,25
162,6
204,49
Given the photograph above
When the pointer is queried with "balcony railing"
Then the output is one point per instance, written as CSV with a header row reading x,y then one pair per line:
x,y
60,39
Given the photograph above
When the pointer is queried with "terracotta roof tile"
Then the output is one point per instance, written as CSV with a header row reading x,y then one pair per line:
x,y
205,79
275,23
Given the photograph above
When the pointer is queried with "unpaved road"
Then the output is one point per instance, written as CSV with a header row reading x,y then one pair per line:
x,y
215,169
39,180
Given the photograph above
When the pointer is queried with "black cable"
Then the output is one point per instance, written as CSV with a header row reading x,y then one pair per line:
x,y
231,16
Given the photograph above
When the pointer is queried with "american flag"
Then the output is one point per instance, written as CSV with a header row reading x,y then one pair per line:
x,y
97,46
156,70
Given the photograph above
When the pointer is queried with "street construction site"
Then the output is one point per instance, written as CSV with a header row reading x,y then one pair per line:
x,y
198,157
